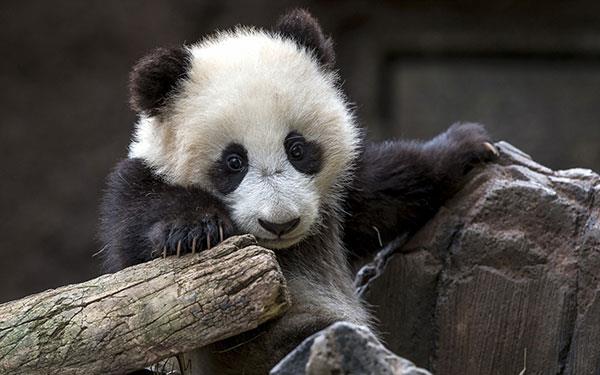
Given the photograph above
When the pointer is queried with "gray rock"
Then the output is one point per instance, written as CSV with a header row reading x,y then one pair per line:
x,y
508,269
344,348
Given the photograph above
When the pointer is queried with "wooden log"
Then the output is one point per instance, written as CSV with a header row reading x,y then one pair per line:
x,y
145,313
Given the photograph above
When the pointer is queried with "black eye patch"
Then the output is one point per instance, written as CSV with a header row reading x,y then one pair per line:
x,y
230,169
305,156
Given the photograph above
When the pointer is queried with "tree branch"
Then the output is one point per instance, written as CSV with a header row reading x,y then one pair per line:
x,y
145,313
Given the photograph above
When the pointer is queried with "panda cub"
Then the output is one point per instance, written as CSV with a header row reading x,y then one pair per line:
x,y
248,131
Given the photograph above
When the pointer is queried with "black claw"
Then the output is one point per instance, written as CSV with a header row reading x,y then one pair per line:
x,y
179,239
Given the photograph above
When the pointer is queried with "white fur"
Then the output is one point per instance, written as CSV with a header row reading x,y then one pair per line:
x,y
275,197
253,88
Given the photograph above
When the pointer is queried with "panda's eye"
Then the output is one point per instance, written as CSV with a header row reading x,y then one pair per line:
x,y
305,156
228,171
295,146
296,150
235,163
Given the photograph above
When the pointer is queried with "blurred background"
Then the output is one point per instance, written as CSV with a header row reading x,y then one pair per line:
x,y
528,70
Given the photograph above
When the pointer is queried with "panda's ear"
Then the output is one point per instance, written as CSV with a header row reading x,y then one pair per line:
x,y
300,26
156,78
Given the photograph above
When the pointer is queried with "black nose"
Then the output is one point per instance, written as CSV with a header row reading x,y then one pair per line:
x,y
279,229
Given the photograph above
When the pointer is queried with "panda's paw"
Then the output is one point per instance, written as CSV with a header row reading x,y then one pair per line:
x,y
178,237
466,145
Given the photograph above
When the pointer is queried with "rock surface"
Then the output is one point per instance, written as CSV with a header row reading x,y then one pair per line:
x,y
344,348
505,277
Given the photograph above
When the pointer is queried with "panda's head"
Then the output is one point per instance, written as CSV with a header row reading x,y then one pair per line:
x,y
256,118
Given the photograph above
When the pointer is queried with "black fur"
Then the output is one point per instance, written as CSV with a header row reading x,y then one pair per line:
x,y
300,26
313,154
141,215
399,185
222,177
156,78
136,202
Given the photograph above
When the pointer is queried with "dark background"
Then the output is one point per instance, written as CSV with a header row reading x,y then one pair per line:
x,y
529,70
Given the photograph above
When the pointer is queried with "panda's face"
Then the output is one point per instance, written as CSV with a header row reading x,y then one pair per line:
x,y
261,125
272,191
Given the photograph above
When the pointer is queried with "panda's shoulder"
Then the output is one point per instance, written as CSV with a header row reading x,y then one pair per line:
x,y
133,173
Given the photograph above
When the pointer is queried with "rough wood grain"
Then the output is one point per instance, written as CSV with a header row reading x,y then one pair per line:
x,y
127,320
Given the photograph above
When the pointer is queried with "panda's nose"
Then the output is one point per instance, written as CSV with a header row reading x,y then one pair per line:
x,y
279,229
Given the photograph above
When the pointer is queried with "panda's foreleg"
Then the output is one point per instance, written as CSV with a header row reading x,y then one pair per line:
x,y
399,185
143,217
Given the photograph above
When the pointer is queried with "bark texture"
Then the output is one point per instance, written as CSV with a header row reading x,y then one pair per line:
x,y
505,277
138,316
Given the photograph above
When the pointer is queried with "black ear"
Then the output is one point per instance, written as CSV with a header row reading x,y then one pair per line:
x,y
156,77
300,26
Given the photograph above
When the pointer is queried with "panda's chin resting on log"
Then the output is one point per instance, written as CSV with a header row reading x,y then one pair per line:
x,y
247,131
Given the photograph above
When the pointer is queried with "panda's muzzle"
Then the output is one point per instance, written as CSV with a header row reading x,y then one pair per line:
x,y
279,229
